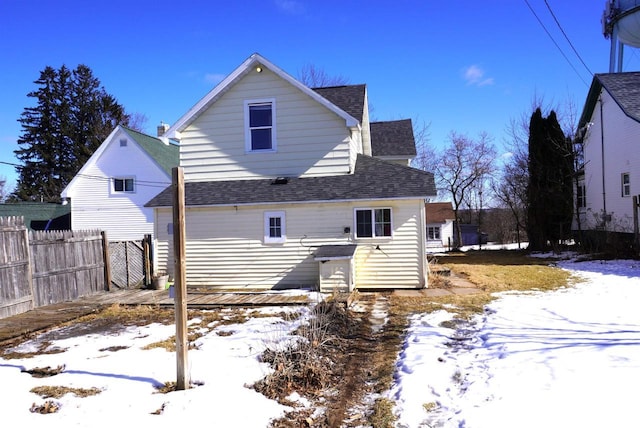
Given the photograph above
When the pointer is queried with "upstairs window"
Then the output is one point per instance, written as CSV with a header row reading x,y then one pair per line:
x,y
581,196
260,132
274,227
372,223
125,185
626,184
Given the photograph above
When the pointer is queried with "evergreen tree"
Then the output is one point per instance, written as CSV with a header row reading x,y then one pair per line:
x,y
550,187
72,116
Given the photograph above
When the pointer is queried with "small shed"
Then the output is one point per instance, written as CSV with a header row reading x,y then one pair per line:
x,y
337,272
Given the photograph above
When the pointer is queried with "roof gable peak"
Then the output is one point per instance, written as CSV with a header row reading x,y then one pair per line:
x,y
255,62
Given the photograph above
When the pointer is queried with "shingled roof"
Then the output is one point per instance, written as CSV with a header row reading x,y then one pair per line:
x,y
392,138
623,87
350,98
372,179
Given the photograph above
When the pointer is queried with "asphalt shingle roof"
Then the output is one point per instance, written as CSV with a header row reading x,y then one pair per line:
x,y
167,155
623,87
372,179
328,252
350,98
392,138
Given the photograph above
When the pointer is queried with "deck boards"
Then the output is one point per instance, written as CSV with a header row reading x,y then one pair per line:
x,y
48,316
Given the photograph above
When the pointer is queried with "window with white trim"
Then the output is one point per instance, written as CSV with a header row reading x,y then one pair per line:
x,y
581,195
626,184
433,233
123,185
260,128
373,222
275,231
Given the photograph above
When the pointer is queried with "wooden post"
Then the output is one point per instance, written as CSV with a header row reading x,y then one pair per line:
x,y
636,227
145,260
180,286
27,253
107,261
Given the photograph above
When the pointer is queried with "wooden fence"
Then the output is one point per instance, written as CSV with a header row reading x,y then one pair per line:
x,y
40,268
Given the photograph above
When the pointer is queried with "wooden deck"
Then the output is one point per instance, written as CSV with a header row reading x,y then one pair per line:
x,y
201,299
46,317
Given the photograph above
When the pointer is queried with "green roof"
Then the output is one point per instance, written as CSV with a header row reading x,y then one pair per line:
x,y
35,212
166,155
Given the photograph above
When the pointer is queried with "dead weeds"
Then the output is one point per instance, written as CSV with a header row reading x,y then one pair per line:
x,y
59,391
41,372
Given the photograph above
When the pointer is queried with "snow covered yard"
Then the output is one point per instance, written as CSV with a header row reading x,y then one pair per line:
x,y
569,358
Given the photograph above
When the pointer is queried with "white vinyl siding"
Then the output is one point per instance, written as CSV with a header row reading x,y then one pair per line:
x,y
311,140
620,134
94,204
399,262
225,246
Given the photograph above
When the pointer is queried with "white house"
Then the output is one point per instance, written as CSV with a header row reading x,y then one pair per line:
x,y
440,220
111,188
610,126
283,191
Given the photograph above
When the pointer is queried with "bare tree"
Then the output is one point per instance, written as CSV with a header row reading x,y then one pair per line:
x,y
4,191
425,153
138,121
316,77
460,168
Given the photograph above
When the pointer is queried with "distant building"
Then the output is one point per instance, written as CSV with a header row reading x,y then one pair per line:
x,y
39,215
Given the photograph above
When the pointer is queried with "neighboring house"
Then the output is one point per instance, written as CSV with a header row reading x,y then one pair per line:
x,y
282,190
111,188
610,177
440,221
39,215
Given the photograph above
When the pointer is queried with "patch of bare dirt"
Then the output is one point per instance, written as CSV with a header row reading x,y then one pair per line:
x,y
346,372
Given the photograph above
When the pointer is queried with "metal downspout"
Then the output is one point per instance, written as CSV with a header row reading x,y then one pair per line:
x,y
604,192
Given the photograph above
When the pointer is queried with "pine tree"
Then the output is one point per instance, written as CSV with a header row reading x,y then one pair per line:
x,y
550,188
72,116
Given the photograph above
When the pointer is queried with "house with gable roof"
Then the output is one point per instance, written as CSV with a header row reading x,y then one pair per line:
x,y
440,224
292,187
610,175
111,188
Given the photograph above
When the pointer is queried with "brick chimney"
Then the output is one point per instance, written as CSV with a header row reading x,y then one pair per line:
x,y
162,128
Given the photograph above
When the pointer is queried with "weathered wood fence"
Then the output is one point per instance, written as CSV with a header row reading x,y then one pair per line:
x,y
40,268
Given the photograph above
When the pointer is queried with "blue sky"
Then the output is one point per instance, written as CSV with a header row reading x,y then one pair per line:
x,y
465,66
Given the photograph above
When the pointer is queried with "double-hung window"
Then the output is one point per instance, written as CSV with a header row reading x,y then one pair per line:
x,y
123,185
433,233
581,195
626,184
260,129
373,222
274,227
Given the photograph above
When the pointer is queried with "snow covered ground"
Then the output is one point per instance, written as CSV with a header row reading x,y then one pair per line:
x,y
569,358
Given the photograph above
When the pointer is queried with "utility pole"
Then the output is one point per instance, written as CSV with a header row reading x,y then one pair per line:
x,y
180,274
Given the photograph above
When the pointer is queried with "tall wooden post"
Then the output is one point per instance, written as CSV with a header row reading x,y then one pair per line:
x,y
636,227
180,274
107,260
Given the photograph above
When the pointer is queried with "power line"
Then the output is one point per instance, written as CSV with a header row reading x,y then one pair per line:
x,y
554,42
567,37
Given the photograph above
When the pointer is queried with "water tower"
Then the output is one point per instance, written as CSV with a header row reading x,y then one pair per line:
x,y
621,23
